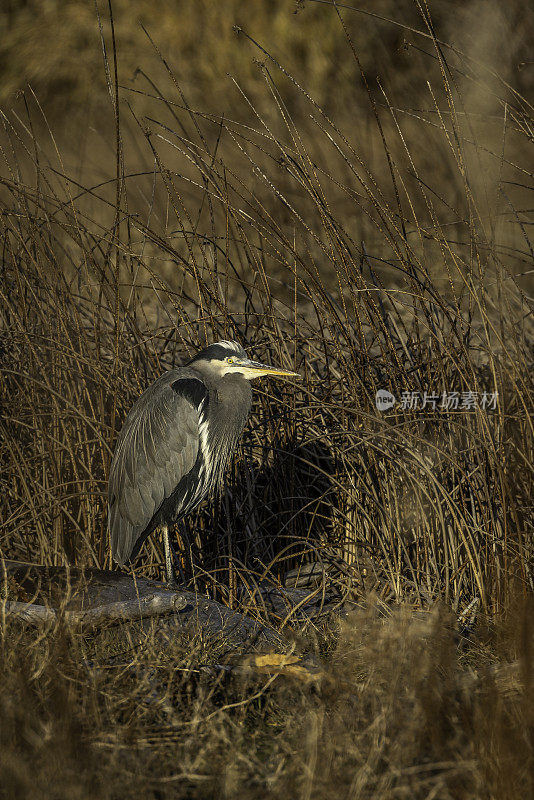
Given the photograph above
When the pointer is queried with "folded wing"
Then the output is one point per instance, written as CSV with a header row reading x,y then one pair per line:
x,y
157,446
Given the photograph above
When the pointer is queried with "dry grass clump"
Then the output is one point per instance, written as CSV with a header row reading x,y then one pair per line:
x,y
397,713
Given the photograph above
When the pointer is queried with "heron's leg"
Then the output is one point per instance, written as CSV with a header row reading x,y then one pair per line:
x,y
173,561
169,557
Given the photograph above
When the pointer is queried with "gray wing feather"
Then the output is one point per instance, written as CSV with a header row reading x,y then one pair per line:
x,y
157,446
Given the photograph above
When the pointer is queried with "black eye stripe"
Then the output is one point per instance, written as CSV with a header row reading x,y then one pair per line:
x,y
218,352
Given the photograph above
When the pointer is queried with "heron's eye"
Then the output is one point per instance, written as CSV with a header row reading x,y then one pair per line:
x,y
231,359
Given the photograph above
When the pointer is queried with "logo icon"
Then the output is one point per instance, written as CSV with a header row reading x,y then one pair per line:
x,y
384,400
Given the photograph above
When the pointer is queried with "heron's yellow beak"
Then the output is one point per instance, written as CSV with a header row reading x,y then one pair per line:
x,y
253,369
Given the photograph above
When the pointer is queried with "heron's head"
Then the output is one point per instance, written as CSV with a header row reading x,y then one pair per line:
x,y
229,358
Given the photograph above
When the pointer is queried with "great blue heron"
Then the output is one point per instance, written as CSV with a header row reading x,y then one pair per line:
x,y
175,444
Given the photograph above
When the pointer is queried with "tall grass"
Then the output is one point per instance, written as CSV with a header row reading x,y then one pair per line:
x,y
400,713
372,234
400,268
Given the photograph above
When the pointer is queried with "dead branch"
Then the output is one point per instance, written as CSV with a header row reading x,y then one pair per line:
x,y
96,597
152,605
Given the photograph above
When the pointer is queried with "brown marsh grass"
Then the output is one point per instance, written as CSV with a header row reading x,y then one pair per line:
x,y
401,711
387,249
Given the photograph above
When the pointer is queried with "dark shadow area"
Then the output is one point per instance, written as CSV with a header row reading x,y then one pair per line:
x,y
271,519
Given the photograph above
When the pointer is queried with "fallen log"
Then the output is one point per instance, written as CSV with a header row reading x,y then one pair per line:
x,y
152,605
36,594
29,612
